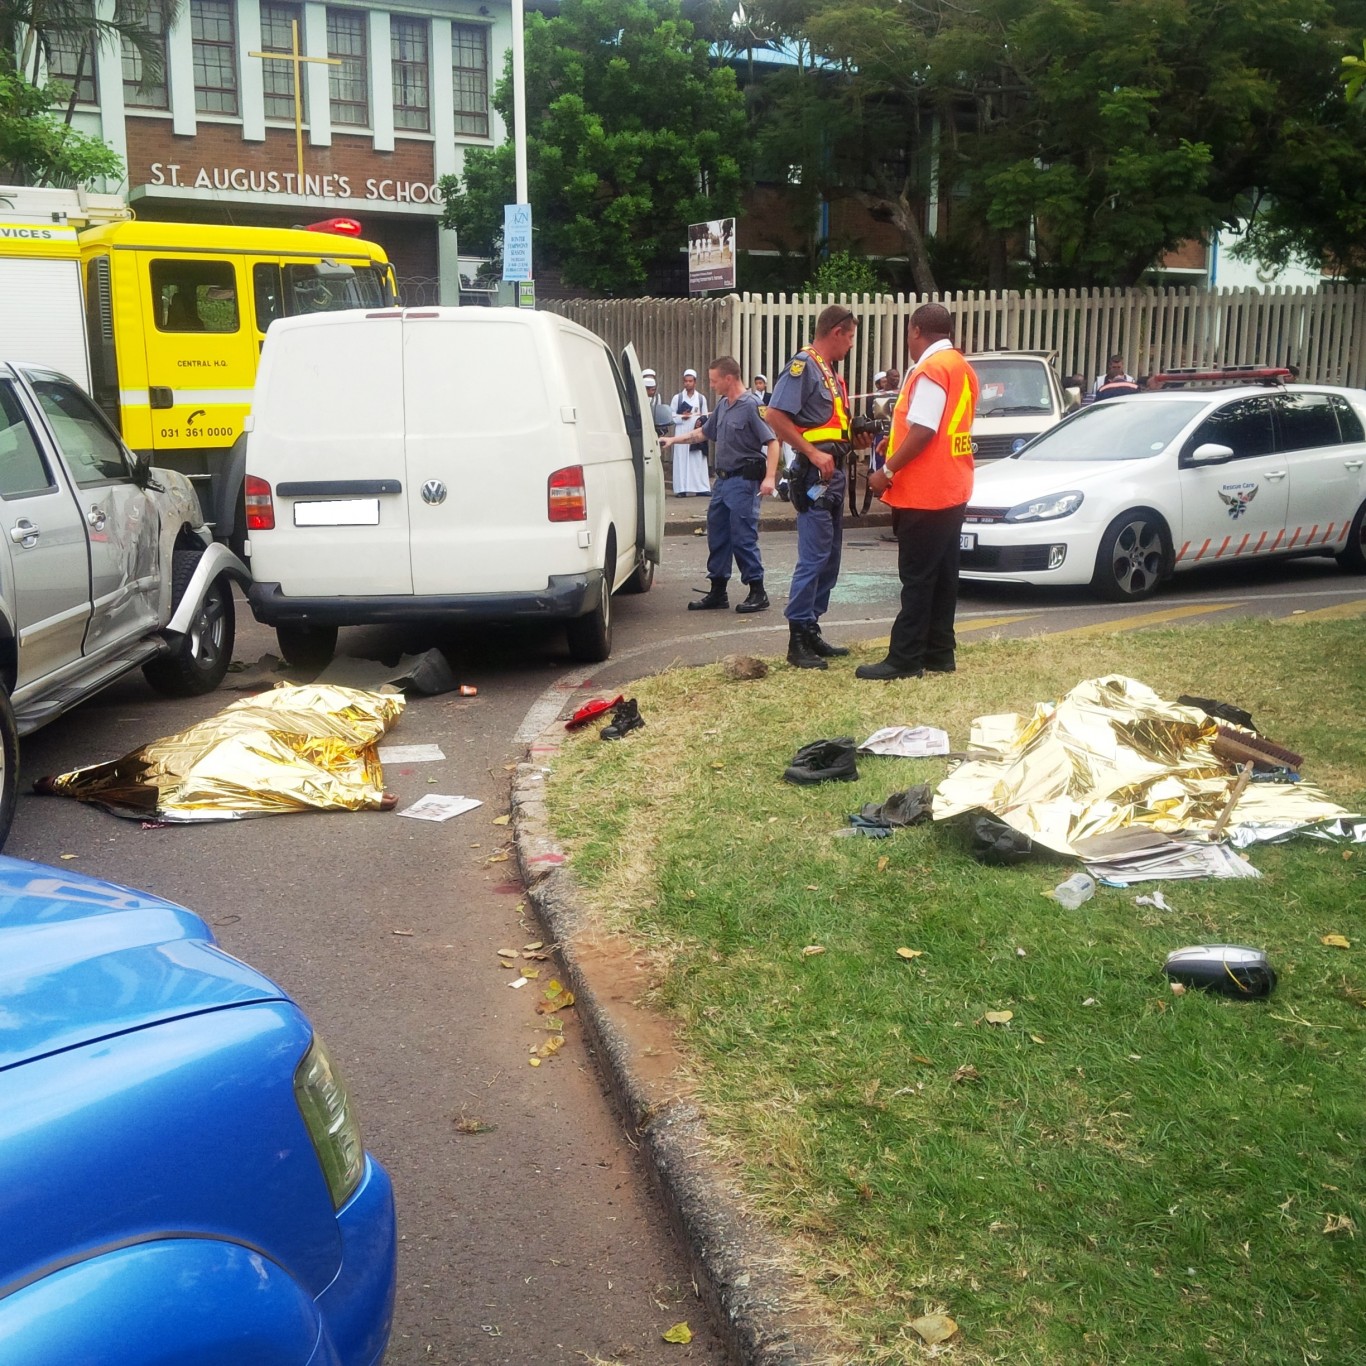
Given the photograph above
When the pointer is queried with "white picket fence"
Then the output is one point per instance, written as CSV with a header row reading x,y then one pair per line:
x,y
1321,331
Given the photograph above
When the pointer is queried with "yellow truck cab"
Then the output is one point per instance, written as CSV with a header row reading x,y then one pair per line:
x,y
177,314
163,323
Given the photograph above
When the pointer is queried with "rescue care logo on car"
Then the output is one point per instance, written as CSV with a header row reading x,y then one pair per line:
x,y
1236,498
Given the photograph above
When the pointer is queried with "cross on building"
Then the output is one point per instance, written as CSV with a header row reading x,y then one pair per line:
x,y
297,58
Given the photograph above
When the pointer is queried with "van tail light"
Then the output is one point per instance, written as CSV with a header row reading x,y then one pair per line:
x,y
260,505
566,498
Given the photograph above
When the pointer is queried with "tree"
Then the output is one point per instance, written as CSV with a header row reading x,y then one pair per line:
x,y
632,134
1091,138
35,147
38,148
844,273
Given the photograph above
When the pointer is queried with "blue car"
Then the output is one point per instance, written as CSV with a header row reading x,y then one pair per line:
x,y
182,1179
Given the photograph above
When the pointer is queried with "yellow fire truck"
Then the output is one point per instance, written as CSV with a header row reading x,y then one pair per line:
x,y
164,322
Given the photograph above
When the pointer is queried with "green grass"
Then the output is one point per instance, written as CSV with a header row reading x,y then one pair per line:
x,y
1138,1179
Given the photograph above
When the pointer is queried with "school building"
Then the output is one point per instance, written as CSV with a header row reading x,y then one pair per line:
x,y
400,94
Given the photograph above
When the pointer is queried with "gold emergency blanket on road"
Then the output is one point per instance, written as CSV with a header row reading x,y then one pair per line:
x,y
1112,753
309,748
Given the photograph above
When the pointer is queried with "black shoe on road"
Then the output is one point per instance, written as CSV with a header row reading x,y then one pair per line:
x,y
757,600
713,600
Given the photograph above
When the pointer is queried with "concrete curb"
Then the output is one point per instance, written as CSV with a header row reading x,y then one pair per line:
x,y
735,1264
685,524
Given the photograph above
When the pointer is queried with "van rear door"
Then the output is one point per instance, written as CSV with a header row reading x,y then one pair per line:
x,y
327,435
645,452
483,436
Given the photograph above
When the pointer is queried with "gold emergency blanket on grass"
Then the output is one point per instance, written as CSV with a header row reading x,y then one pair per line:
x,y
1112,753
309,748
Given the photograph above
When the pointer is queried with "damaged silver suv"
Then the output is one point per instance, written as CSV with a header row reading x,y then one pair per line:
x,y
106,566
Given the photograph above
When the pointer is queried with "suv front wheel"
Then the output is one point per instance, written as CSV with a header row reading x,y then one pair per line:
x,y
198,662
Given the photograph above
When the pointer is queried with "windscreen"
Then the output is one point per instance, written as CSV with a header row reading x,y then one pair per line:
x,y
1115,430
329,287
1009,387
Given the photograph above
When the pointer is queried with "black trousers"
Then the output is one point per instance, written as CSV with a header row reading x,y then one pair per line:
x,y
927,561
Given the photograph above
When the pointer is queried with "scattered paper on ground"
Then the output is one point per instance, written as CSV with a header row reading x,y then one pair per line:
x,y
410,754
433,807
907,742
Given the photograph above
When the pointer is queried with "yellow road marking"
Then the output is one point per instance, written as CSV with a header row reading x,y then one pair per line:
x,y
974,624
1341,612
1134,623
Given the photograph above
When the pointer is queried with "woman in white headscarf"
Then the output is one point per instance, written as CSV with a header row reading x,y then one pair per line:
x,y
689,407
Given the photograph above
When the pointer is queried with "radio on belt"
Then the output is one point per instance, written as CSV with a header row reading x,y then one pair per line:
x,y
1229,969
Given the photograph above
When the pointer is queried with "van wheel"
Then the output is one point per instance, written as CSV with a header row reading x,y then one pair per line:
x,y
590,637
199,662
307,646
643,577
9,764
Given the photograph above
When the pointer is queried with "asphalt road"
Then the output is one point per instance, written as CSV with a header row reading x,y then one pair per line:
x,y
539,1239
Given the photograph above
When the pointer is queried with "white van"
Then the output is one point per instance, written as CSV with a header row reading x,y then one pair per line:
x,y
458,463
1021,396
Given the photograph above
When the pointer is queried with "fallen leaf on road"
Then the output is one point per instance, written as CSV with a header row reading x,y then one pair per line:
x,y
1036,1038
934,1328
501,820
1334,941
908,954
535,1062
999,1017
551,1046
498,858
812,949
967,1073
531,973
66,857
469,1125
535,944
882,863
406,934
679,1333
507,953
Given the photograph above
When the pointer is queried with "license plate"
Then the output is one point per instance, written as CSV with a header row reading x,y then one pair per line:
x,y
967,540
338,512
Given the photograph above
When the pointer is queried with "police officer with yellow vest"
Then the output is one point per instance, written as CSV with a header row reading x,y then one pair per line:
x,y
809,410
927,482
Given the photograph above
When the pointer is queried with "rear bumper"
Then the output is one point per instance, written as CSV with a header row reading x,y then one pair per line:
x,y
564,596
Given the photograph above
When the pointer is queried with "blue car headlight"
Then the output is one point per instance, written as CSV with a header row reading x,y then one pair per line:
x,y
1046,508
326,1107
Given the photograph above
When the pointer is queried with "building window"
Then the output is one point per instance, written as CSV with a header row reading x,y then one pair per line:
x,y
71,60
349,82
142,89
408,50
470,56
277,35
214,42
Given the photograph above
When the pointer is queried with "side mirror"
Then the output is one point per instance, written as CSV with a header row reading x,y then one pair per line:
x,y
142,467
1211,453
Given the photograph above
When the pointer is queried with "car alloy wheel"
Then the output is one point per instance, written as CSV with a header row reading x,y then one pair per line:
x,y
1133,558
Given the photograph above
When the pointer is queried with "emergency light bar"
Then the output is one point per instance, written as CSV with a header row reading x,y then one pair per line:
x,y
1233,374
342,227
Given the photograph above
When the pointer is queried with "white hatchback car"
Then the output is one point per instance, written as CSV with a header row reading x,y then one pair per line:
x,y
1125,492
1020,396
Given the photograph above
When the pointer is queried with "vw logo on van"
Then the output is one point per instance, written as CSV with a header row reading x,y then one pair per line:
x,y
433,492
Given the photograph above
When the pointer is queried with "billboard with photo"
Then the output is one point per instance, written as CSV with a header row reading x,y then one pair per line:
x,y
711,255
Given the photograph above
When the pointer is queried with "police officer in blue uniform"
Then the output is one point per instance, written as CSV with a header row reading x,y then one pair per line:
x,y
746,465
809,410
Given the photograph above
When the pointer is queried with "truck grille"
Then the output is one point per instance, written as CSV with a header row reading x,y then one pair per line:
x,y
996,447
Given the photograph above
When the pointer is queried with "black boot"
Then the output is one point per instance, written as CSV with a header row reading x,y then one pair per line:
x,y
713,600
823,761
801,654
823,647
757,600
626,717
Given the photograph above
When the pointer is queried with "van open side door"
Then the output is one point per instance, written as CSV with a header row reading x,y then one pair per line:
x,y
646,456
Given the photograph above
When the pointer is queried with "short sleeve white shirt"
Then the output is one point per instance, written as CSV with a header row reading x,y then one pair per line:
x,y
928,400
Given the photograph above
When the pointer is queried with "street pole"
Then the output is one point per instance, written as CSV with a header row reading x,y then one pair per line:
x,y
519,102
